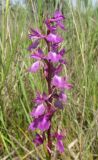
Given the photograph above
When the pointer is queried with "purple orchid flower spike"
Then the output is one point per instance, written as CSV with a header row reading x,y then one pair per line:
x,y
51,60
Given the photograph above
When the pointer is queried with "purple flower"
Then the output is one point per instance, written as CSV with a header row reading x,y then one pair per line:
x,y
62,51
54,47
35,34
58,15
38,55
57,19
54,57
61,25
63,97
50,27
38,140
60,99
59,145
42,123
33,125
60,82
36,66
38,111
54,38
33,45
40,98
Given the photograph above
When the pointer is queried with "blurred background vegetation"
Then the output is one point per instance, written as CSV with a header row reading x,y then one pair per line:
x,y
18,87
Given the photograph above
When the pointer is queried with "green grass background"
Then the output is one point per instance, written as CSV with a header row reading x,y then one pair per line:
x,y
18,87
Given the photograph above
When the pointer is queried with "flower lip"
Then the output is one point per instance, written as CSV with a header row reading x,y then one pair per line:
x,y
53,38
35,66
60,82
44,123
60,146
38,111
54,57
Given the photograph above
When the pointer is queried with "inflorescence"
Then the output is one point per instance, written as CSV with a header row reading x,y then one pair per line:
x,y
51,63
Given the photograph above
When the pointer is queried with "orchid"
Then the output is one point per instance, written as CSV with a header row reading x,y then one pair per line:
x,y
51,62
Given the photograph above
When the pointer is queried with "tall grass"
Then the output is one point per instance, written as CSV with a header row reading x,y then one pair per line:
x,y
80,116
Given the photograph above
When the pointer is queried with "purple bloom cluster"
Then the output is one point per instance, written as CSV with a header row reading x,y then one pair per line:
x,y
52,62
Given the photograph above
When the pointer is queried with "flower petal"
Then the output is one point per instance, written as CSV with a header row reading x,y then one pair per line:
x,y
49,26
54,47
63,97
54,38
35,34
60,82
58,69
41,98
38,111
33,125
38,140
60,146
44,123
38,55
61,25
33,45
54,57
35,66
62,51
58,14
